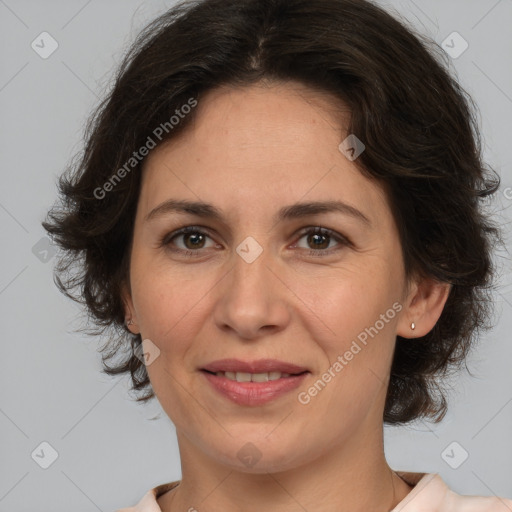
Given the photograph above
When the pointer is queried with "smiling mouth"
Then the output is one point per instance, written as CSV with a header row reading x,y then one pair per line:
x,y
254,377
253,389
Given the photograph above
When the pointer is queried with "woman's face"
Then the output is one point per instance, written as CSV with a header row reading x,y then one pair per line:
x,y
255,285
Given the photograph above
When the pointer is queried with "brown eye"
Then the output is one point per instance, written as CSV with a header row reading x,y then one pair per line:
x,y
189,239
321,241
318,240
193,240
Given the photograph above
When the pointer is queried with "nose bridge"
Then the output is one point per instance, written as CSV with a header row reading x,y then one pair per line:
x,y
251,261
249,297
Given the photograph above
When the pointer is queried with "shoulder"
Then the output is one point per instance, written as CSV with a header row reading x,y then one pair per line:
x,y
431,494
482,504
149,503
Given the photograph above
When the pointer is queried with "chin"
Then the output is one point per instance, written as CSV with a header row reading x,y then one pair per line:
x,y
260,455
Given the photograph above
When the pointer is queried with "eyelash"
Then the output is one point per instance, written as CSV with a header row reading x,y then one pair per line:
x,y
313,230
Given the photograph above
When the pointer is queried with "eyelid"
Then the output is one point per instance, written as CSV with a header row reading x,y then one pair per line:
x,y
315,229
166,239
312,229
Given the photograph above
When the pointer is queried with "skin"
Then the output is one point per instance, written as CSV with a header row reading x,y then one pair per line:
x,y
249,152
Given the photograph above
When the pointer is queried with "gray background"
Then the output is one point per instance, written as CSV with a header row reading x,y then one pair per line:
x,y
109,452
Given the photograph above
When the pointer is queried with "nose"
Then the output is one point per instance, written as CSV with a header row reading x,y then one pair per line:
x,y
253,299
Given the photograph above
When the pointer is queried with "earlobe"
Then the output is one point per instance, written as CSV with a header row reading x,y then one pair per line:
x,y
131,325
423,308
130,318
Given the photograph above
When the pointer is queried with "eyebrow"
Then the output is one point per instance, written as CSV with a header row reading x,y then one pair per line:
x,y
294,211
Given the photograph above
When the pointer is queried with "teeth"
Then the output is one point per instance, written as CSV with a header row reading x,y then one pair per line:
x,y
243,377
252,377
260,377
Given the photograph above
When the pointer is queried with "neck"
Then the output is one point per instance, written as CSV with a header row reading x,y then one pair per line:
x,y
348,477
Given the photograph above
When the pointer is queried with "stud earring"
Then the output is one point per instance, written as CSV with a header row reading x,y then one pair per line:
x,y
413,326
129,321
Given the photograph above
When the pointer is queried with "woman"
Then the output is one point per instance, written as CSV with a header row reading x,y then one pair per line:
x,y
274,213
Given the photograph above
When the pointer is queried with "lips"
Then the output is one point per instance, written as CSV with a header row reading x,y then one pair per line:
x,y
259,366
253,383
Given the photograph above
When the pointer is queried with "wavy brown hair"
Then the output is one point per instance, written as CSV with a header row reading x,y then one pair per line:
x,y
422,144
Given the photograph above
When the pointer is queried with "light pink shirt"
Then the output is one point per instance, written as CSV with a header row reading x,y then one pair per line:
x,y
429,494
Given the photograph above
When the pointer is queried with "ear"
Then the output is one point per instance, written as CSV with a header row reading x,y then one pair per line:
x,y
423,307
129,310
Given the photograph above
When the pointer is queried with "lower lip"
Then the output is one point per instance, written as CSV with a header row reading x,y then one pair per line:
x,y
254,393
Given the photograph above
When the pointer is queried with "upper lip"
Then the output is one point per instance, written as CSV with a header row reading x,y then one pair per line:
x,y
259,366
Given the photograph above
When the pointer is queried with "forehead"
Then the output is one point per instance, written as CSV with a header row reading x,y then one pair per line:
x,y
261,145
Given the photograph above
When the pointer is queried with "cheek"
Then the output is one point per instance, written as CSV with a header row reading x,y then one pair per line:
x,y
354,325
167,302
343,303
